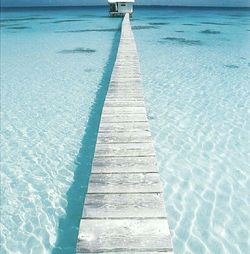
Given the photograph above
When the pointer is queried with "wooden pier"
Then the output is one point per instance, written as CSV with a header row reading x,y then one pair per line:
x,y
124,208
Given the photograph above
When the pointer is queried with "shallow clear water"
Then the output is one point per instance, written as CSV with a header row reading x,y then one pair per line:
x,y
196,70
50,73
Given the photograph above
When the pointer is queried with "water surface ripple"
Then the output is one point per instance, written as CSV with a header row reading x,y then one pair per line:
x,y
198,102
48,86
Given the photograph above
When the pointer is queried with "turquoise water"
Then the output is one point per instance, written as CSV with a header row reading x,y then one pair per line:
x,y
55,66
195,66
53,62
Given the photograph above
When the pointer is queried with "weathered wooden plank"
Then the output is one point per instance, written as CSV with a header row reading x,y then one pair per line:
x,y
124,110
127,91
124,164
128,65
127,79
132,252
118,118
122,81
133,205
126,68
124,103
135,90
125,183
124,126
124,235
126,87
126,137
123,77
125,84
124,121
124,210
128,99
124,149
124,96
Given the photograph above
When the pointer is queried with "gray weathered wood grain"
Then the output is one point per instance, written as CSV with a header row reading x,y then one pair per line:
x,y
124,235
132,252
124,209
125,183
146,205
124,137
124,149
117,118
124,110
124,104
124,164
125,96
124,126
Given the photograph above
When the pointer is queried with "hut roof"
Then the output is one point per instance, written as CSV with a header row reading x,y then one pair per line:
x,y
121,1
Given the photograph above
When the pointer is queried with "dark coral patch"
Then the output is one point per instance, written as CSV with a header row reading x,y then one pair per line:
x,y
189,24
216,23
238,15
158,23
231,66
10,24
6,20
143,27
90,30
182,41
209,31
67,21
18,27
90,16
163,17
88,70
77,50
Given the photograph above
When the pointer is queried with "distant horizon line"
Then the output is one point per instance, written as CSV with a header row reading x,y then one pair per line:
x,y
137,5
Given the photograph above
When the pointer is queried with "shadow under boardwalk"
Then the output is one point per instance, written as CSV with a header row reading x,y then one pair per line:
x,y
68,225
124,209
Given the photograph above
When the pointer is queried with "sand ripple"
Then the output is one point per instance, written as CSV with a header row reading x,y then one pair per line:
x,y
199,116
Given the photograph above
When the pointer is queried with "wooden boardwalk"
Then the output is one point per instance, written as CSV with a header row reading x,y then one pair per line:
x,y
124,210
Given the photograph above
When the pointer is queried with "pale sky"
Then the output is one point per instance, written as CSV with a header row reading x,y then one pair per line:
x,y
221,3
